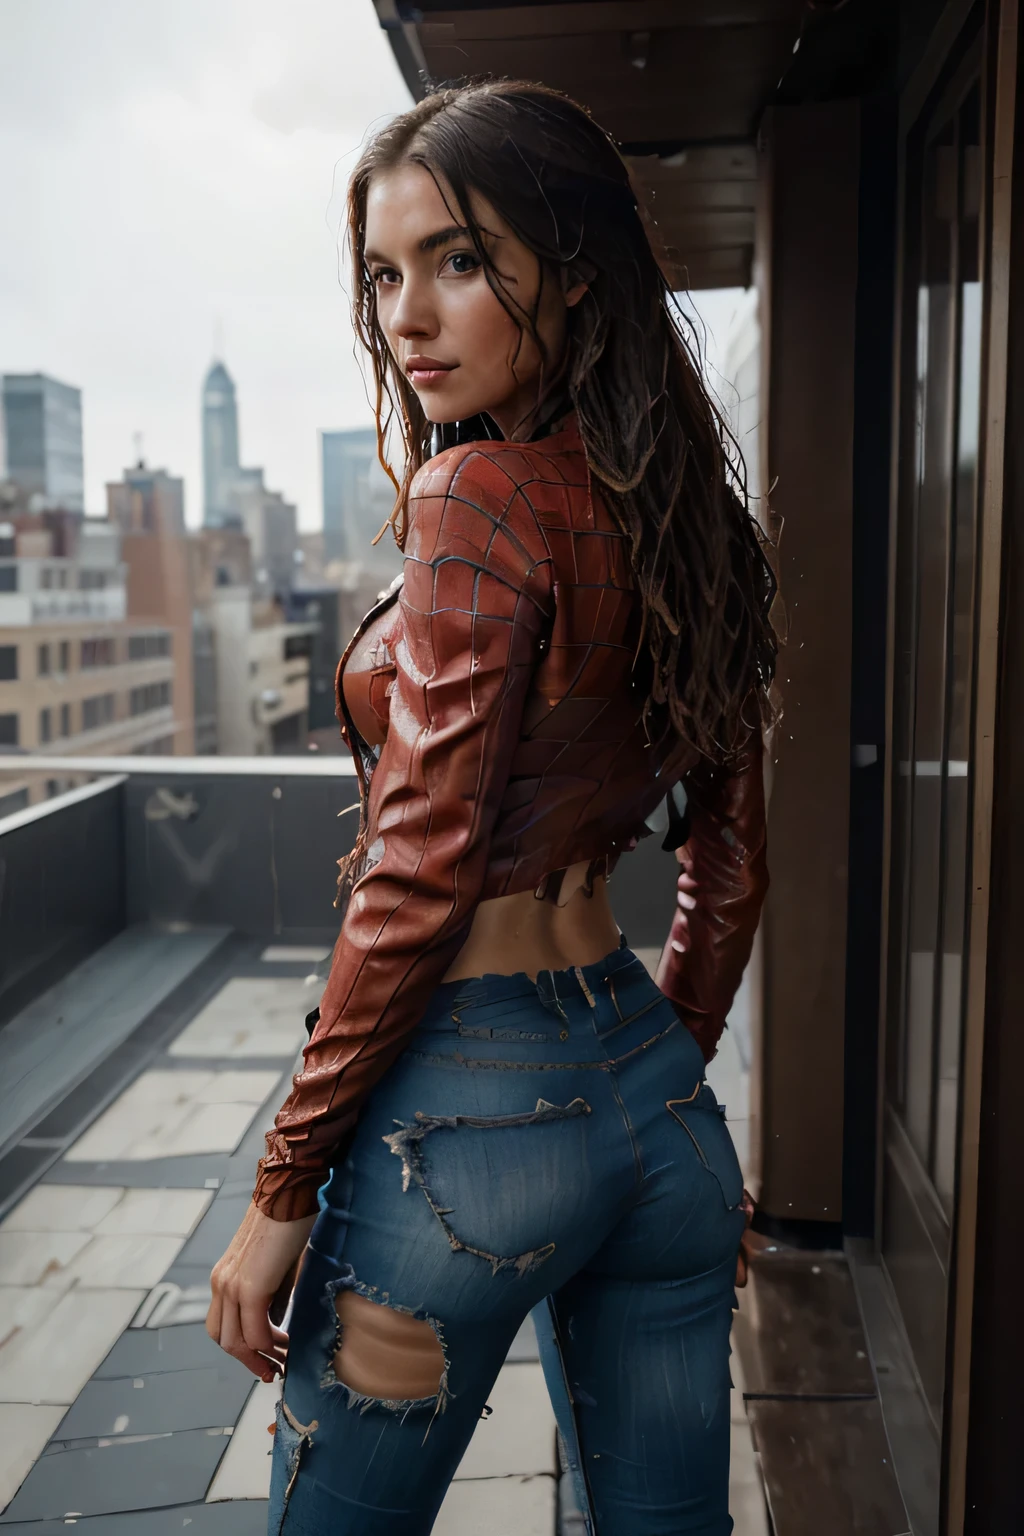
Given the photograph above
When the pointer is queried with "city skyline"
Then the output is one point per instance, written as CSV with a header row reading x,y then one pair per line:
x,y
169,171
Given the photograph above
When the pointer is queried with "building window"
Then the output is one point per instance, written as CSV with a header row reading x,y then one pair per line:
x,y
91,581
98,653
43,661
97,711
17,800
65,719
8,578
46,578
8,663
45,726
149,696
65,657
146,647
8,730
297,645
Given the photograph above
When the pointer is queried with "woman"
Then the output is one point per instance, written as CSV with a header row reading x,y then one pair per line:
x,y
503,1110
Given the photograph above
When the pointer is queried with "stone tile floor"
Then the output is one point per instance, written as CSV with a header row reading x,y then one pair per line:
x,y
117,1414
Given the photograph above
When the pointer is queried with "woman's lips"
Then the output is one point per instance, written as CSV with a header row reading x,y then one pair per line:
x,y
427,370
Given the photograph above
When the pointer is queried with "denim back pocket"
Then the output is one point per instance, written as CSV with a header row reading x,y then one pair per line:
x,y
704,1123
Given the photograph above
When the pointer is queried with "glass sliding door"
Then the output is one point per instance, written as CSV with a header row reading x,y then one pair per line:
x,y
932,714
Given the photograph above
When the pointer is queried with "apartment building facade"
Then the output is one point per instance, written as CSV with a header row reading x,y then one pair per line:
x,y
76,674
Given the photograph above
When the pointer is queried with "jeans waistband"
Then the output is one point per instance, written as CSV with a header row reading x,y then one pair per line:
x,y
569,995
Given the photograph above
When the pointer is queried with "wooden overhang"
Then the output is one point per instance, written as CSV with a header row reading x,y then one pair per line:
x,y
680,83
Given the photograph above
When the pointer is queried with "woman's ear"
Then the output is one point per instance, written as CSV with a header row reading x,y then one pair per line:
x,y
574,286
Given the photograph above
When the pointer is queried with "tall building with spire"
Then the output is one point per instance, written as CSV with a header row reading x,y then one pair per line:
x,y
220,444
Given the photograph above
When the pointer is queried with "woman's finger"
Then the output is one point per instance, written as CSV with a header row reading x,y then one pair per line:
x,y
232,1339
254,1320
213,1316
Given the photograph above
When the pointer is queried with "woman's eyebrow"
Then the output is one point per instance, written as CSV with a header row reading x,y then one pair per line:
x,y
444,237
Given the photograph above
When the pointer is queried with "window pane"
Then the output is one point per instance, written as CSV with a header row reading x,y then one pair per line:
x,y
937,312
956,786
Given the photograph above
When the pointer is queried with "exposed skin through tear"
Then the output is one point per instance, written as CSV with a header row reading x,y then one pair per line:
x,y
384,1353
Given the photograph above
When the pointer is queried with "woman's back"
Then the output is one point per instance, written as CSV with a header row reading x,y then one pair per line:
x,y
537,571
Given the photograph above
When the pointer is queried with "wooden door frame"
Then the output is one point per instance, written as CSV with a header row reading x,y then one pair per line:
x,y
1000,83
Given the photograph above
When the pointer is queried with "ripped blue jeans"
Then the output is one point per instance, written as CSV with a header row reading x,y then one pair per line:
x,y
544,1146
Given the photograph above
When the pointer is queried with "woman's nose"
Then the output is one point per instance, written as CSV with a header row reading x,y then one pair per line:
x,y
414,315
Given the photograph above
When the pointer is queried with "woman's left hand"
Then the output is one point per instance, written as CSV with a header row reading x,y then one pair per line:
x,y
263,1254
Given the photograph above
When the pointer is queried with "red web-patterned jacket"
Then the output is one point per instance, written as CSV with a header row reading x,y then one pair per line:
x,y
513,747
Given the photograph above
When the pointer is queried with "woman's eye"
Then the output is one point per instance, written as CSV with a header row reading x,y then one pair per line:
x,y
461,262
385,275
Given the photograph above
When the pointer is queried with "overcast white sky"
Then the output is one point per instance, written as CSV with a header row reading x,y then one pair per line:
x,y
170,165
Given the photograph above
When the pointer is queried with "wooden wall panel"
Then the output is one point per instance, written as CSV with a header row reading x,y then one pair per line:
x,y
806,261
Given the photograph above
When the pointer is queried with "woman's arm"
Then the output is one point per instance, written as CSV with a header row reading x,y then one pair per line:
x,y
721,888
475,603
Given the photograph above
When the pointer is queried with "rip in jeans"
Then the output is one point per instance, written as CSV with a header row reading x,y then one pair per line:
x,y
362,1401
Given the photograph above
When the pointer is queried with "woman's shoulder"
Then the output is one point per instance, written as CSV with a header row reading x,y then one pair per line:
x,y
495,471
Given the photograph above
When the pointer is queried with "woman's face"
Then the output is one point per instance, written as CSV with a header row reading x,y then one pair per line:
x,y
449,334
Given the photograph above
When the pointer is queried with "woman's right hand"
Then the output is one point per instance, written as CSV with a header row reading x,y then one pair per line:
x,y
262,1256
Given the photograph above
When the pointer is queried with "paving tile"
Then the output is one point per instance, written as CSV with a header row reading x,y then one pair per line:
x,y
748,1508
800,1326
524,1345
828,1466
230,1087
206,1127
311,954
208,1398
156,1212
61,1208
167,1114
503,1506
518,1436
120,1262
245,1471
20,1167
24,1430
743,1468
115,1475
146,1351
178,1299
250,1016
52,1344
216,1229
62,1035
205,1170
241,1519
30,1258
155,1102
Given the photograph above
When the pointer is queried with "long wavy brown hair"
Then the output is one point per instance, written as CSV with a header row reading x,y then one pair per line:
x,y
654,439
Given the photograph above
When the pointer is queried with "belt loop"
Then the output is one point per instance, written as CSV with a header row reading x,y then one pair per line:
x,y
583,983
553,1003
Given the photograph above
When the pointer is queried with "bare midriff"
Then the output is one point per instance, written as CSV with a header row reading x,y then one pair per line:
x,y
519,933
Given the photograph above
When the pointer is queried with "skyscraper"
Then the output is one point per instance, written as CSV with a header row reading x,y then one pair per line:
x,y
220,443
43,439
357,499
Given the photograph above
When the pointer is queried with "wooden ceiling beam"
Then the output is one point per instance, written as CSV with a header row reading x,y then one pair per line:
x,y
594,16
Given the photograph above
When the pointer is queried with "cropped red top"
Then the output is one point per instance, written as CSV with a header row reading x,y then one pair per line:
x,y
498,737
